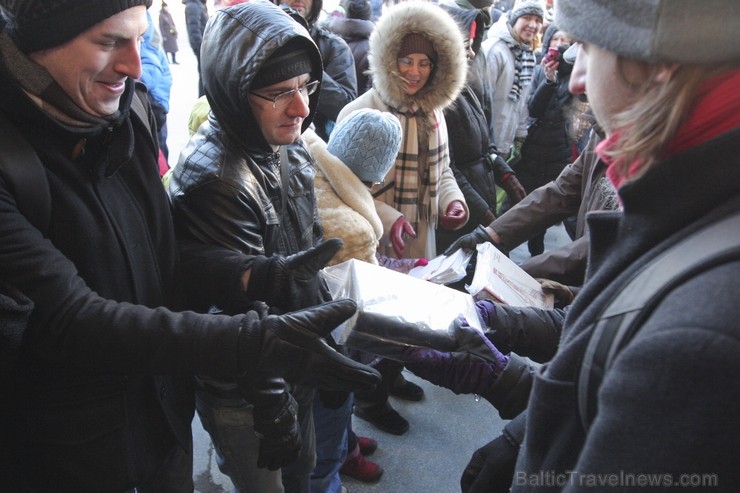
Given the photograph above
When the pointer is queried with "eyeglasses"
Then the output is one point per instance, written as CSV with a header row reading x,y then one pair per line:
x,y
409,63
284,98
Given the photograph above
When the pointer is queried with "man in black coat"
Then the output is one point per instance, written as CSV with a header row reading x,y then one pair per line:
x,y
102,395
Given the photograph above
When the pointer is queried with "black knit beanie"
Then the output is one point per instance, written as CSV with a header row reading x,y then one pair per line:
x,y
288,61
41,24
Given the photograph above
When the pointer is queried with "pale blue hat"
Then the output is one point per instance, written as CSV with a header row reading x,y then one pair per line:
x,y
367,141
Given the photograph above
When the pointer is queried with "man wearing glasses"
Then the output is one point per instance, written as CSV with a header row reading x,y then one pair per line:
x,y
245,181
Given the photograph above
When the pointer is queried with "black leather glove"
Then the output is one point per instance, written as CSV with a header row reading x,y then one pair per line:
x,y
294,282
333,399
470,240
390,336
294,346
491,468
275,420
279,434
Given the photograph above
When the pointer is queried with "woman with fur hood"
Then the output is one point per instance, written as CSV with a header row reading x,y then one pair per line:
x,y
418,66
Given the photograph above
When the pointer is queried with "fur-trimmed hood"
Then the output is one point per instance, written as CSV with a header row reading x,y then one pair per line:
x,y
450,69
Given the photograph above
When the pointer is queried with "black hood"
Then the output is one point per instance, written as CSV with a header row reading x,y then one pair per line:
x,y
236,42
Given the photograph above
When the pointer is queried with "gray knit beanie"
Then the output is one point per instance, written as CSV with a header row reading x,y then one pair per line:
x,y
526,7
684,31
367,141
41,24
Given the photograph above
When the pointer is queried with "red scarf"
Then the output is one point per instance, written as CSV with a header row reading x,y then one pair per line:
x,y
716,111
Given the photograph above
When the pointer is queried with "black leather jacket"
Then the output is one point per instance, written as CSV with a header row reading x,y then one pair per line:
x,y
236,200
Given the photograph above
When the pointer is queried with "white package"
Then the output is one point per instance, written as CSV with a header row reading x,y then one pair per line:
x,y
379,290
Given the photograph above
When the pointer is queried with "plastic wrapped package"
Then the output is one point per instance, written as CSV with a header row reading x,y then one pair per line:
x,y
497,277
444,269
396,311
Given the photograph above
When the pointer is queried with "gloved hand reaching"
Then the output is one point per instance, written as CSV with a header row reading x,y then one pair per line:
x,y
399,228
514,190
491,468
292,283
471,368
391,336
470,240
562,293
294,347
454,216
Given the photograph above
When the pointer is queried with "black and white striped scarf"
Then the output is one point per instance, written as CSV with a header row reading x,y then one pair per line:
x,y
524,63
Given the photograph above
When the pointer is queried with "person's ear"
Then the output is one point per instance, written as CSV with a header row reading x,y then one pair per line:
x,y
665,73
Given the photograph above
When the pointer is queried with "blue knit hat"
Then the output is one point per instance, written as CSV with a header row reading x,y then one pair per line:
x,y
367,141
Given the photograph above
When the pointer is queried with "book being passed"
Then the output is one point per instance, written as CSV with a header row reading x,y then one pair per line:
x,y
497,277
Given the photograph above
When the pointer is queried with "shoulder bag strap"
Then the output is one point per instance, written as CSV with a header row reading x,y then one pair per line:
x,y
712,245
24,175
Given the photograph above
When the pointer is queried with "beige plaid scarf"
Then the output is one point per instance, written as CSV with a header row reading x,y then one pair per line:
x,y
417,173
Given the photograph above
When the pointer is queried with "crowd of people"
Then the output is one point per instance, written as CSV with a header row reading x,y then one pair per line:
x,y
134,297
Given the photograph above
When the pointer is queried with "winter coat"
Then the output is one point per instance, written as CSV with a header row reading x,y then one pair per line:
x,y
508,117
666,406
446,81
95,411
470,147
518,332
346,208
549,145
169,31
356,32
155,70
339,86
196,18
579,189
476,174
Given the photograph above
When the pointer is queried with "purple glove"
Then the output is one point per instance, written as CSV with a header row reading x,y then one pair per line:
x,y
472,368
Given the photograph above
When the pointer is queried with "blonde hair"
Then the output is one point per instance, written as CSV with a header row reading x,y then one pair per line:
x,y
648,126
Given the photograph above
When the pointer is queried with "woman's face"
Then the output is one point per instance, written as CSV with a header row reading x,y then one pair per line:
x,y
602,76
415,70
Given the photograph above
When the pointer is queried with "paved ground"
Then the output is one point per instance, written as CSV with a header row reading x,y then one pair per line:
x,y
445,428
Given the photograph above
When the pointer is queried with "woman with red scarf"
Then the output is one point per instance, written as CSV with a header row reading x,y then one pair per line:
x,y
663,80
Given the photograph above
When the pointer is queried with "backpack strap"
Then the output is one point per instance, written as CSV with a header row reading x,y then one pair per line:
x,y
24,175
139,110
620,320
